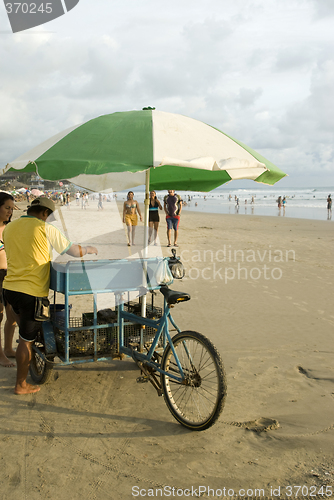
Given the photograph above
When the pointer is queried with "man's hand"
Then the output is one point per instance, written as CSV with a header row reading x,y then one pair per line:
x,y
91,250
80,251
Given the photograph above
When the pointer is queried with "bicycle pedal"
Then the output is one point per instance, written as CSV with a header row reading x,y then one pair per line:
x,y
142,380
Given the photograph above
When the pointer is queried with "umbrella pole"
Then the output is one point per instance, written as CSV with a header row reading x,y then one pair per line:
x,y
146,214
146,210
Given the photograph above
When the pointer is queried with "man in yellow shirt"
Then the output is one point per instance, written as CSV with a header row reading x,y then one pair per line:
x,y
28,244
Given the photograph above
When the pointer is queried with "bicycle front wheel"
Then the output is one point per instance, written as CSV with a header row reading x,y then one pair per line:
x,y
197,401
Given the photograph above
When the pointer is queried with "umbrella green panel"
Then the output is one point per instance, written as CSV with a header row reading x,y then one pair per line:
x,y
186,179
30,168
109,143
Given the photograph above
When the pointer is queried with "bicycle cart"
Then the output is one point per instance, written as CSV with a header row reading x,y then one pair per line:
x,y
186,368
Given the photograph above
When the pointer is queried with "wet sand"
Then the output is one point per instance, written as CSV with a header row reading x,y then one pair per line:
x,y
261,290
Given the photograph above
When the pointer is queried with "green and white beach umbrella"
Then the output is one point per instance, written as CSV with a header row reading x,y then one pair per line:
x,y
162,150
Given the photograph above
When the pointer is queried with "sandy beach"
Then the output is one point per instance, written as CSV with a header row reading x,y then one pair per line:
x,y
261,290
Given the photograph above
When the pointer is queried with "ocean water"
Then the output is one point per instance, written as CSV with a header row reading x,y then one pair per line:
x,y
302,203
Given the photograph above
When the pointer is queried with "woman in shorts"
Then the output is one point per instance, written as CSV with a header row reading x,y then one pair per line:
x,y
130,209
154,217
6,211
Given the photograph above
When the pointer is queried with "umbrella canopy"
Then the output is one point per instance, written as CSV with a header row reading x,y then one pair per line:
x,y
177,151
36,192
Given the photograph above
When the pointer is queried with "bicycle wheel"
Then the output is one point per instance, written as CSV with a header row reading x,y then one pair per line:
x,y
40,370
197,401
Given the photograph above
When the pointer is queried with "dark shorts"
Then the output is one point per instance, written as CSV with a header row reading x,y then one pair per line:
x,y
173,222
24,306
154,216
3,273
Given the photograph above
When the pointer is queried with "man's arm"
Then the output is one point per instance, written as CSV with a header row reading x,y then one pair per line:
x,y
180,207
80,251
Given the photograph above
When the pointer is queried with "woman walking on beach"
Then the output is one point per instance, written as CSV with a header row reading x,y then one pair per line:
x,y
130,209
154,217
6,211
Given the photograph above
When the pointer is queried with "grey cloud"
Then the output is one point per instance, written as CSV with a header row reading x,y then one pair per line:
x,y
248,97
323,8
292,58
208,33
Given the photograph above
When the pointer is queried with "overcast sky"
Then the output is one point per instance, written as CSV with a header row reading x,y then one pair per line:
x,y
262,71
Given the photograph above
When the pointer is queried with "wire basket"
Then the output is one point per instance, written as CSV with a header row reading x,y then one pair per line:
x,y
132,332
81,342
152,312
132,335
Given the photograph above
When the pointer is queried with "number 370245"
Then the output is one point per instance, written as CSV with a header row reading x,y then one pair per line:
x,y
28,8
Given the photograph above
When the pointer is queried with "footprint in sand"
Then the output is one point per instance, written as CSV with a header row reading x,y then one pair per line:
x,y
261,424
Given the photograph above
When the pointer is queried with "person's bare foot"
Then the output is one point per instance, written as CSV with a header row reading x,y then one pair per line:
x,y
26,389
4,361
10,354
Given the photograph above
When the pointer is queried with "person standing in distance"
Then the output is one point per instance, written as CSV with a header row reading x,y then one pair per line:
x,y
28,242
329,204
173,209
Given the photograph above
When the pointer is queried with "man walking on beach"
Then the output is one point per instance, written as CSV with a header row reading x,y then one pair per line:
x,y
173,208
28,242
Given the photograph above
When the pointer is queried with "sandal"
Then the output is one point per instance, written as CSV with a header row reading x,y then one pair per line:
x,y
175,245
169,245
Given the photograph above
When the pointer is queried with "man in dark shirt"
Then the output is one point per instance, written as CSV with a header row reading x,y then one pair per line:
x,y
173,208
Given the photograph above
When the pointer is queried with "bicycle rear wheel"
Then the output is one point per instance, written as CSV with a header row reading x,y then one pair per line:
x,y
197,401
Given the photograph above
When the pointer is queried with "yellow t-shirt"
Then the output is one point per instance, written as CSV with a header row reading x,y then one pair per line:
x,y
28,245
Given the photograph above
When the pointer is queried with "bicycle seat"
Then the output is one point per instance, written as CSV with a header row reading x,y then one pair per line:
x,y
173,297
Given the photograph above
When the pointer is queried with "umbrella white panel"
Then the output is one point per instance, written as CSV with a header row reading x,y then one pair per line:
x,y
102,182
34,153
180,140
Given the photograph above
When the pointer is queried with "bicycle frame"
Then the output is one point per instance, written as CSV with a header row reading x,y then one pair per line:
x,y
161,325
